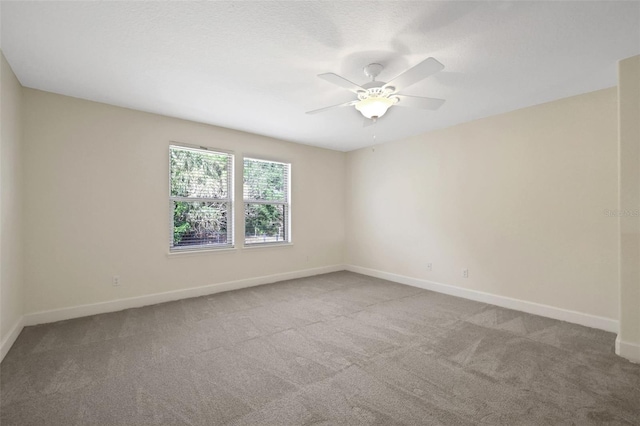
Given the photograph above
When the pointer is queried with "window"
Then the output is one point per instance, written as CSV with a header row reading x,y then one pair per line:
x,y
266,202
200,198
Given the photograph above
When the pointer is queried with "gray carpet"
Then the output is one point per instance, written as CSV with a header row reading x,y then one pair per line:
x,y
336,349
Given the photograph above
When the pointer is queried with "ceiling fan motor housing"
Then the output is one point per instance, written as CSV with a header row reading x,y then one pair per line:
x,y
376,98
375,92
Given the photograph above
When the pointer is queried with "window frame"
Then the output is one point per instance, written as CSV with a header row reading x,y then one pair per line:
x,y
287,205
229,200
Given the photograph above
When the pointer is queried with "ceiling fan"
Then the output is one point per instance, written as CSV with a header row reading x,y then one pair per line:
x,y
376,97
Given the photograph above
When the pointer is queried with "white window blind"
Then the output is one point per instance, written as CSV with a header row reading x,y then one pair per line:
x,y
266,201
200,198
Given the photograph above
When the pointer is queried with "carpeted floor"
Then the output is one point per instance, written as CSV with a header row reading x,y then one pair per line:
x,y
336,349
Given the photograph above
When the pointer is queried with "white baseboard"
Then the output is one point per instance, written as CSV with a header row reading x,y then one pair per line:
x,y
151,299
575,317
628,350
624,349
11,337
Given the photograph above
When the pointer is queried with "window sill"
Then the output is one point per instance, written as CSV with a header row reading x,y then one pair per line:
x,y
265,245
195,252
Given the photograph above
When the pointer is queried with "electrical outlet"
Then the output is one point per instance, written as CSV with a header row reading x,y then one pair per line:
x,y
116,280
465,273
429,267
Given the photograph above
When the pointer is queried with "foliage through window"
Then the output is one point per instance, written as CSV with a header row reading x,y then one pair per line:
x,y
200,198
266,202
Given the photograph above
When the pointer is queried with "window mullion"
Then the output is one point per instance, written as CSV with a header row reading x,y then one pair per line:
x,y
200,199
283,203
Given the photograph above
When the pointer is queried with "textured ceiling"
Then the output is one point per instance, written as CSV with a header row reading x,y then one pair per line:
x,y
252,66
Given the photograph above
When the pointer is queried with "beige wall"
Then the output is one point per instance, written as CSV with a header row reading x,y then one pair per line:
x,y
629,113
96,204
519,199
11,288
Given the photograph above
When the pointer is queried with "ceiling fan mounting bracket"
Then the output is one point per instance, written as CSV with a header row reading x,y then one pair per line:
x,y
373,70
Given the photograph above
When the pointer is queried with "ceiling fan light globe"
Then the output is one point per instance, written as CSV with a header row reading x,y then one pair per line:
x,y
374,106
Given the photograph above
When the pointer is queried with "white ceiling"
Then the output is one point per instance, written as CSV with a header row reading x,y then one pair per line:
x,y
252,66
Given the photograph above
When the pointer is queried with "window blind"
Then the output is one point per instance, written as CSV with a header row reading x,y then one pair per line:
x,y
265,181
200,198
266,201
196,173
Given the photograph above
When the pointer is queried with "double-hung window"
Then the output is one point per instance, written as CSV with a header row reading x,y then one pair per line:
x,y
201,198
266,202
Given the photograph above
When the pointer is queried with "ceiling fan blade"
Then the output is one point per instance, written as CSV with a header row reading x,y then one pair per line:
x,y
341,81
315,111
419,102
413,75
